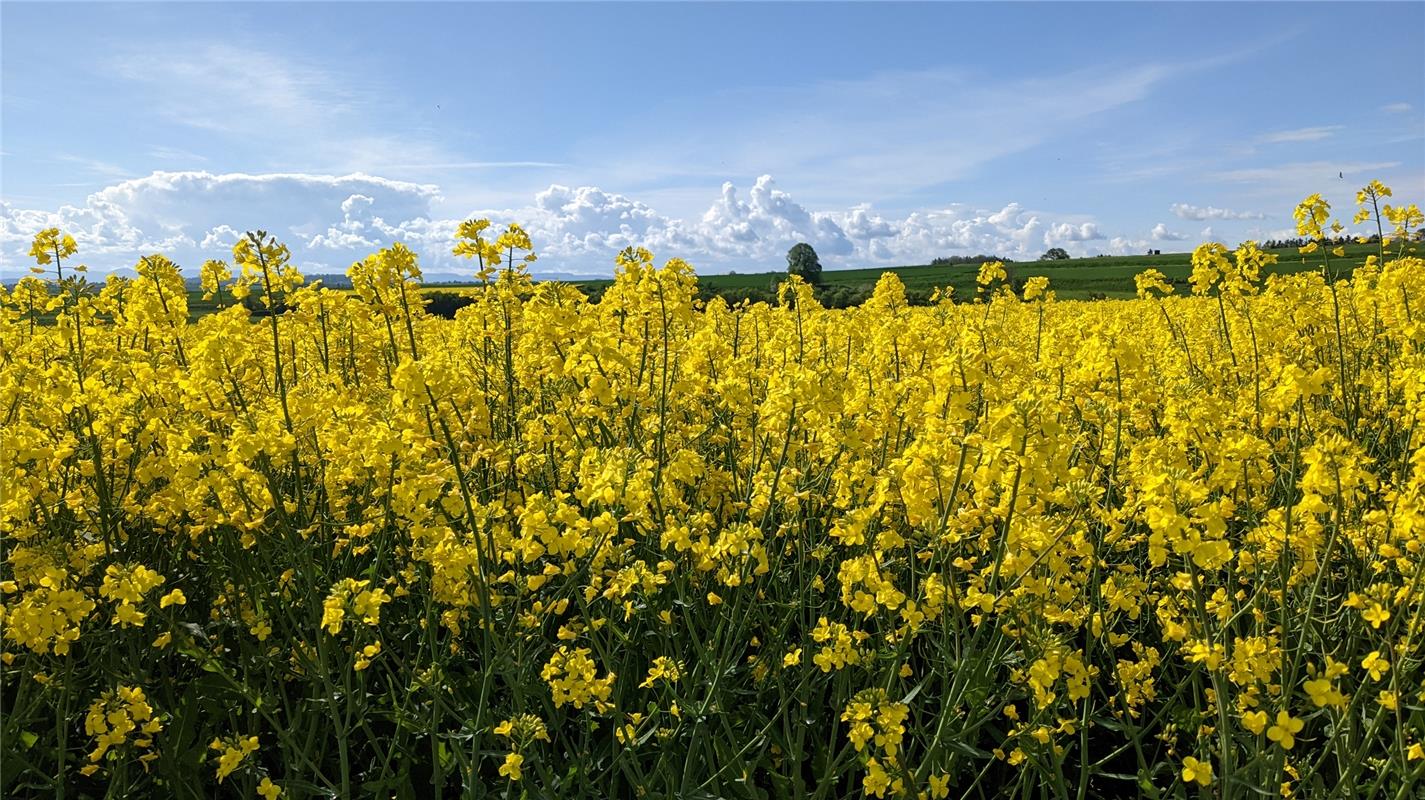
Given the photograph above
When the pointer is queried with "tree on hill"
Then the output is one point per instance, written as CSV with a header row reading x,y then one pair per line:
x,y
950,261
802,260
1054,254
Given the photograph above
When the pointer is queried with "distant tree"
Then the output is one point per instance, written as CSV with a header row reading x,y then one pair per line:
x,y
802,260
1054,254
445,304
950,261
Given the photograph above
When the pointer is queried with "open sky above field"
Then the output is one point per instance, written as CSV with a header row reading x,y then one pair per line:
x,y
880,133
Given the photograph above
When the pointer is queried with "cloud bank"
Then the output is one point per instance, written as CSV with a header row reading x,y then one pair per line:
x,y
330,221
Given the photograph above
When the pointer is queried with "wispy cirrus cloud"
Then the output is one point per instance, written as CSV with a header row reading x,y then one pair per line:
x,y
95,166
175,154
848,139
289,112
235,90
1304,173
1314,134
453,165
1189,211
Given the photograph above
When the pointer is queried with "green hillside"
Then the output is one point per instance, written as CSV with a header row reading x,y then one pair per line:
x,y
1076,278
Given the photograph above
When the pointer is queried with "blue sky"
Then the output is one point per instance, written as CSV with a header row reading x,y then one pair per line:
x,y
882,133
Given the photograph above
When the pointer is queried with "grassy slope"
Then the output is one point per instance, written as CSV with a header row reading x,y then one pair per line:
x,y
1075,278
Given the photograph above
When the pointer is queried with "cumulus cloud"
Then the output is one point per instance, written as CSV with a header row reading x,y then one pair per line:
x,y
330,221
197,215
862,223
1123,245
922,235
1068,232
770,221
1160,233
1188,211
348,234
589,221
220,238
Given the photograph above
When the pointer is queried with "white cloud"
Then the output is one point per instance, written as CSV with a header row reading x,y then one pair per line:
x,y
1069,232
223,237
771,221
1396,108
922,235
862,223
1123,246
1315,134
330,221
346,235
1188,211
1160,233
196,215
587,221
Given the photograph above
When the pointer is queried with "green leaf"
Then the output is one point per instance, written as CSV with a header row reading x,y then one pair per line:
x,y
911,695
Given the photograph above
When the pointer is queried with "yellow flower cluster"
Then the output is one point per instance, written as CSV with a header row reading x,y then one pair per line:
x,y
126,585
350,594
232,752
572,679
48,613
522,731
1014,541
116,716
875,718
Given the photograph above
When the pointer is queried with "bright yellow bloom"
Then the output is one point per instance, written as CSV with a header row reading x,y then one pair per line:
x,y
1376,615
990,273
1199,771
1255,721
511,766
1284,730
51,243
1151,281
1374,665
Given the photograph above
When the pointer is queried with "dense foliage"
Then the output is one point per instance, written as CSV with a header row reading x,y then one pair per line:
x,y
654,547
803,262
